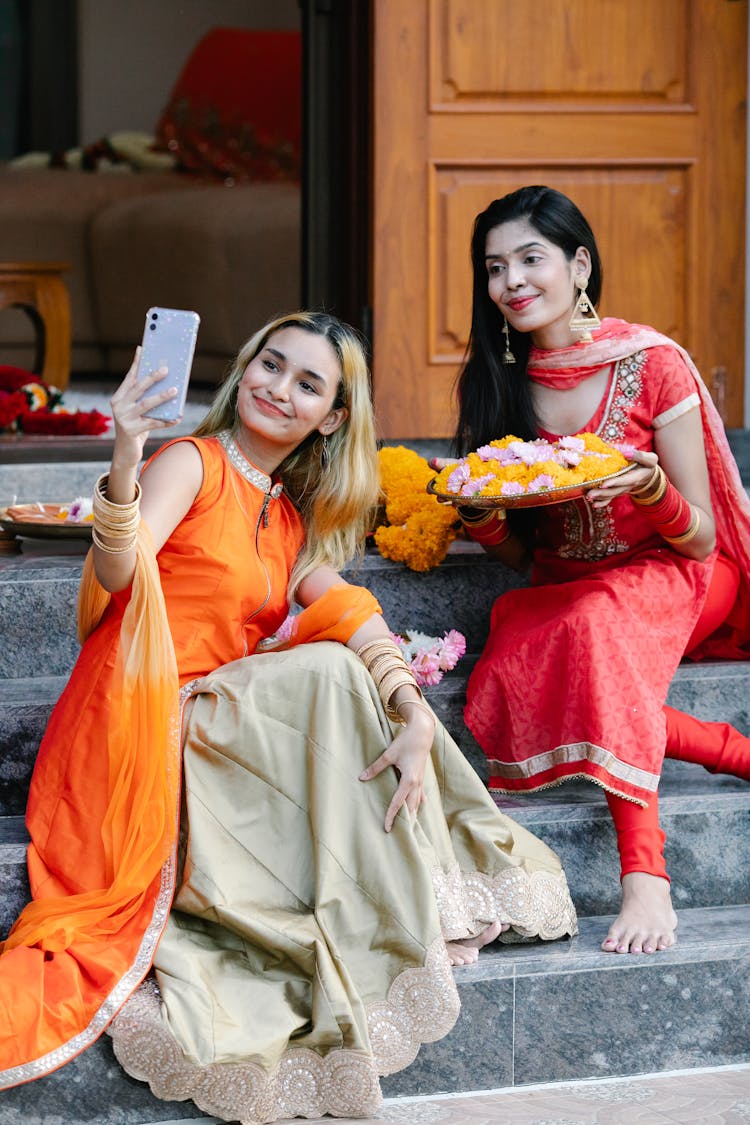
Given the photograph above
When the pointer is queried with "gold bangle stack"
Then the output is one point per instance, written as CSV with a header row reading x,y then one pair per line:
x,y
653,490
118,522
383,660
692,531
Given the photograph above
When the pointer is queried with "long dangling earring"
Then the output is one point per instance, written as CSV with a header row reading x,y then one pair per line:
x,y
508,356
325,456
584,317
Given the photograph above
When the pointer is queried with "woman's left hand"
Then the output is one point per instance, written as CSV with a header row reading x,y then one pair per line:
x,y
408,753
631,481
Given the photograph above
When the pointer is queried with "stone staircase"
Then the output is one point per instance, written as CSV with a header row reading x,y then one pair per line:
x,y
530,1014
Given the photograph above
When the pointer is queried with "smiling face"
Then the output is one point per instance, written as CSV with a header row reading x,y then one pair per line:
x,y
286,392
532,282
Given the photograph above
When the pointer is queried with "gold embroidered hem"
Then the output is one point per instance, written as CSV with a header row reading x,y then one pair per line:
x,y
304,954
536,904
422,1006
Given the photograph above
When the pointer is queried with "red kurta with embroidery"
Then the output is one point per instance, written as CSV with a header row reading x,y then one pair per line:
x,y
575,673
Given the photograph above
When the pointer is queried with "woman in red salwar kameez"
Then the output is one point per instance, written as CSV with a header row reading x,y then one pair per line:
x,y
625,581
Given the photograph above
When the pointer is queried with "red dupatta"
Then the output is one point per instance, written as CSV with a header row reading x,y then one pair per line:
x,y
564,368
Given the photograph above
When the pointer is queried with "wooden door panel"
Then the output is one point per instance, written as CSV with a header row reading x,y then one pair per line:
x,y
605,195
565,51
634,109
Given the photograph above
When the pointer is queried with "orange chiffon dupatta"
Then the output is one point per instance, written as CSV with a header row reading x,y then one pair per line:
x,y
72,959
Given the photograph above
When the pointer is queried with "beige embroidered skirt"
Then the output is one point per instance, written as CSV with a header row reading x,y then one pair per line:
x,y
304,955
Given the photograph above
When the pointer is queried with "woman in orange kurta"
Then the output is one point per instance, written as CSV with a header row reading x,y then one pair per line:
x,y
304,952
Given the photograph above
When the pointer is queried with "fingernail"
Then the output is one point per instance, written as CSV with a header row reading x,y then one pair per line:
x,y
363,776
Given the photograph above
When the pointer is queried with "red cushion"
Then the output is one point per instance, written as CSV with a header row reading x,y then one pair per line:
x,y
235,110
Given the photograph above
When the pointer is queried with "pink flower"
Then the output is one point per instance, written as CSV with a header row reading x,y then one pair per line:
x,y
488,453
568,458
285,629
426,669
625,448
452,649
507,456
532,452
541,483
472,487
578,445
512,488
459,476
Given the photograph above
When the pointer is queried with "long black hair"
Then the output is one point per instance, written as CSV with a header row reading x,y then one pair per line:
x,y
494,398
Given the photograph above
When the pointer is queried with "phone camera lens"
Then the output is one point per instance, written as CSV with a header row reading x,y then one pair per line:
x,y
152,327
154,316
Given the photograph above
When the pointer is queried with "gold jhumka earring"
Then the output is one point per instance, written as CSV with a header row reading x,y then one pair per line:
x,y
584,317
508,356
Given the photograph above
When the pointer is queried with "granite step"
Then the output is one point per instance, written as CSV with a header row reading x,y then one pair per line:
x,y
714,692
710,691
529,1014
39,590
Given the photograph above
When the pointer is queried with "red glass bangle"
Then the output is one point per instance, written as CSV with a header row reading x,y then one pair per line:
x,y
490,533
671,514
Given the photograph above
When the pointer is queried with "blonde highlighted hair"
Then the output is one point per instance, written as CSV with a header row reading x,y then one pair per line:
x,y
337,503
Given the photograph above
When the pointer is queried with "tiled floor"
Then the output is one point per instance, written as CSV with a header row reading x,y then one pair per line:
x,y
697,1097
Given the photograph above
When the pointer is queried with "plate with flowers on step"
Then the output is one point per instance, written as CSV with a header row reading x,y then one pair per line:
x,y
49,521
511,473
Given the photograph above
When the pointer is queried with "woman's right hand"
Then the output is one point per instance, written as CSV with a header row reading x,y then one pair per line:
x,y
132,427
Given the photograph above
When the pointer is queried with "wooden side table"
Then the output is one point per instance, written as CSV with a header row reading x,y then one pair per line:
x,y
38,288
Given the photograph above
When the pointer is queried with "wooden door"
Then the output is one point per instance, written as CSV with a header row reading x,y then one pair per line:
x,y
633,108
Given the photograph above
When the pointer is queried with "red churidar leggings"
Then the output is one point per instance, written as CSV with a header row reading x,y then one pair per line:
x,y
717,746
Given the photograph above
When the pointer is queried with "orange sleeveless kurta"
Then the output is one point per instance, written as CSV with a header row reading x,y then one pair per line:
x,y
224,573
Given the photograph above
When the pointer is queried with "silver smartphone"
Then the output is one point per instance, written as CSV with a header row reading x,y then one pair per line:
x,y
169,341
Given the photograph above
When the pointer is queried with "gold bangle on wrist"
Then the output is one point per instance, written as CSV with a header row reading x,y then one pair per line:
x,y
416,703
653,490
485,516
384,661
118,523
692,531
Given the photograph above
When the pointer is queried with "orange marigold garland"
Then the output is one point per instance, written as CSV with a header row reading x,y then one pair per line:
x,y
419,529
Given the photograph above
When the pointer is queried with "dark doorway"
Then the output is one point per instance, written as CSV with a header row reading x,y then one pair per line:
x,y
336,160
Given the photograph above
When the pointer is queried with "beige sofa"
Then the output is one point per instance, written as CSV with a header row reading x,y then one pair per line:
x,y
136,239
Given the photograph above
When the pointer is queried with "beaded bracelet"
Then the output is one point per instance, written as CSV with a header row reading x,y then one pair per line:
x,y
117,522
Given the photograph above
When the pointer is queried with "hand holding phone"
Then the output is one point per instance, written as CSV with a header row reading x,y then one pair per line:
x,y
168,341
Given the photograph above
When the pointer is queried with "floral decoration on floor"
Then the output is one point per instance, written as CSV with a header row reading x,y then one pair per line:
x,y
430,657
418,529
30,406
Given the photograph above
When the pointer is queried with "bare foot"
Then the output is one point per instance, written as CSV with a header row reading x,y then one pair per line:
x,y
646,921
466,951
